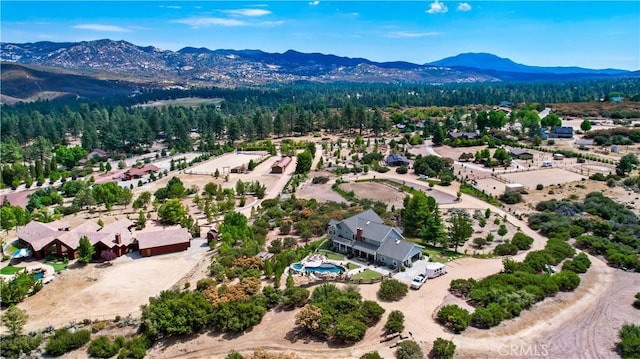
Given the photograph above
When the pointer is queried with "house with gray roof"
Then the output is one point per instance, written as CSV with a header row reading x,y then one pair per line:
x,y
366,236
397,160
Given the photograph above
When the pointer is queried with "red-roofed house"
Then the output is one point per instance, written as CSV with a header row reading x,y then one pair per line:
x,y
280,165
163,242
139,172
55,238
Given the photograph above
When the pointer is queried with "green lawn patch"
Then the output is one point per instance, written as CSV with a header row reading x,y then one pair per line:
x,y
351,266
366,275
437,254
10,269
57,267
334,256
10,249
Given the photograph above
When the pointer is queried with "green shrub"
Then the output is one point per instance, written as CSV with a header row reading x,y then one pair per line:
x,y
409,349
371,355
135,348
454,317
234,355
442,349
629,346
392,290
16,346
402,170
505,249
102,347
636,303
462,287
522,241
567,281
511,197
395,322
539,187
64,341
204,283
481,318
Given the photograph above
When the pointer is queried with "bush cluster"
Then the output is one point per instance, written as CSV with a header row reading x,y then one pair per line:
x,y
442,349
17,346
392,290
454,317
64,341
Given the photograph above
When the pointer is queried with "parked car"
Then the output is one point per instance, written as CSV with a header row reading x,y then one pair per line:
x,y
418,281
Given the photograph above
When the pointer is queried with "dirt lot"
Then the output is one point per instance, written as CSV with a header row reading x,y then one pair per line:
x,y
376,192
545,177
227,160
98,292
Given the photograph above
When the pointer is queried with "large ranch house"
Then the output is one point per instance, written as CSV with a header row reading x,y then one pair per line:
x,y
366,236
58,239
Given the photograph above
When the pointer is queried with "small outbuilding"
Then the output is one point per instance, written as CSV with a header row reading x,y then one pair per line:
x,y
513,187
558,156
281,165
521,153
212,235
163,242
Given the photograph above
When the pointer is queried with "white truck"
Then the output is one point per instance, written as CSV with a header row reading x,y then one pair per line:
x,y
435,269
418,281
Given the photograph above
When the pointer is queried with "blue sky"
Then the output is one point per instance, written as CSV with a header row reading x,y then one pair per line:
x,y
544,33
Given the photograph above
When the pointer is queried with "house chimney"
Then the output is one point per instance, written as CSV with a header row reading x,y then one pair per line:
x,y
118,238
359,234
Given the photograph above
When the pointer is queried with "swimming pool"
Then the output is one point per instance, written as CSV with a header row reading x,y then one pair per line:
x,y
322,268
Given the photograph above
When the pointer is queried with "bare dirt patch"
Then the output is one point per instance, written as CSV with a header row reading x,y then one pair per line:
x,y
545,177
376,192
98,292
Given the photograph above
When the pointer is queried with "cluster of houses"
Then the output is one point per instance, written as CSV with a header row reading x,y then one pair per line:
x,y
59,239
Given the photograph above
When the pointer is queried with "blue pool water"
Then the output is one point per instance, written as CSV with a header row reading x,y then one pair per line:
x,y
323,268
39,275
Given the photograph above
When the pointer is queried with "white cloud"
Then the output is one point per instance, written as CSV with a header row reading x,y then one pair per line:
x,y
464,6
411,34
314,3
101,27
176,7
198,22
437,7
248,12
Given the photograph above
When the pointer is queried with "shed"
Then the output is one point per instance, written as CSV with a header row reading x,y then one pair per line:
x,y
212,235
615,149
163,242
521,153
513,187
281,165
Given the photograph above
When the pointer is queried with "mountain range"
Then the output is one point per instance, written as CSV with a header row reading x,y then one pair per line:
x,y
119,66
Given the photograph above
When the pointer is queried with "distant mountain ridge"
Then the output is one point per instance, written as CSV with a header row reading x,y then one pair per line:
x,y
192,66
487,61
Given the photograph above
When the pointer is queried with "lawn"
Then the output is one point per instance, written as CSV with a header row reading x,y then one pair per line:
x,y
334,256
57,266
351,266
367,275
10,269
10,249
437,254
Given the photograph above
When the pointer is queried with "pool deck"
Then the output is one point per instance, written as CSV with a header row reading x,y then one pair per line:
x,y
49,273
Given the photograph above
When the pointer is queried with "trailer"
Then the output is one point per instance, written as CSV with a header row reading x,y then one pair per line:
x,y
435,269
547,163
